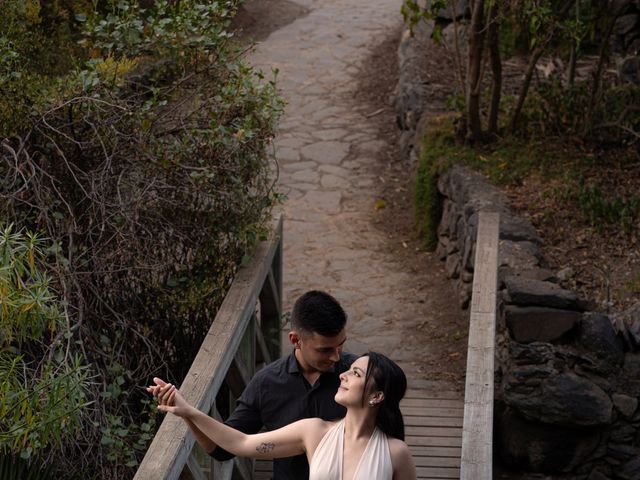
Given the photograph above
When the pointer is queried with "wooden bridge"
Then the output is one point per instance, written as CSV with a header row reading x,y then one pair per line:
x,y
448,436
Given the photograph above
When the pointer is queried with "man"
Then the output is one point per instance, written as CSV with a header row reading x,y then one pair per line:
x,y
301,385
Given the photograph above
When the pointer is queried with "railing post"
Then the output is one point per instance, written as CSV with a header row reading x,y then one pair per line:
x,y
260,280
477,429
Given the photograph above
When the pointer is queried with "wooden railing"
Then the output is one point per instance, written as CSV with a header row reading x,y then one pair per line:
x,y
477,427
244,335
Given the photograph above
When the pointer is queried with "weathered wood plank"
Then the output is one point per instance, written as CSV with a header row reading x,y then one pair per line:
x,y
431,402
420,421
262,350
428,461
433,431
437,472
433,411
170,448
433,451
417,393
477,438
426,441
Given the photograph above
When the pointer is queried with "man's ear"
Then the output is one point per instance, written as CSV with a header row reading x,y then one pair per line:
x,y
294,338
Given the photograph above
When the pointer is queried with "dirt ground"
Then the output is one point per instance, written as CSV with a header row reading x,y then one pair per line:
x,y
445,359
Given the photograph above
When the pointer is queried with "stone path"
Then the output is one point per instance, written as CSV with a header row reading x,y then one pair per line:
x,y
326,149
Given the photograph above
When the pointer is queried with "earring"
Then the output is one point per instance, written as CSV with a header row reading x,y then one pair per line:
x,y
371,403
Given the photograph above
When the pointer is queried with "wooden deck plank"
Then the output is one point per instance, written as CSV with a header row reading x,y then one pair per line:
x,y
433,428
428,473
422,421
432,402
432,412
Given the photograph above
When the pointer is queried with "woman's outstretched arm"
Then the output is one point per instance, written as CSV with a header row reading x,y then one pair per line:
x,y
284,442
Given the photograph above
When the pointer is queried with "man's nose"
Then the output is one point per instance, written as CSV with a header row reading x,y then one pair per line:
x,y
335,355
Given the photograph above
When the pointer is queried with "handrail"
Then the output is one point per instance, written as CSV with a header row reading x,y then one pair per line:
x,y
477,428
250,312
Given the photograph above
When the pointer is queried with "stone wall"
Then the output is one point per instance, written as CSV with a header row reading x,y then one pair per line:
x,y
567,378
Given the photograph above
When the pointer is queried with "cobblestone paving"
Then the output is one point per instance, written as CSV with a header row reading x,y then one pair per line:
x,y
326,148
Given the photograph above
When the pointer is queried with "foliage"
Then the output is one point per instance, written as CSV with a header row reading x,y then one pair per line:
x,y
556,110
593,108
144,158
438,153
599,208
43,386
15,468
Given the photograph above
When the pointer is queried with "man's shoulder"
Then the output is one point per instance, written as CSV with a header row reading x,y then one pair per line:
x,y
274,369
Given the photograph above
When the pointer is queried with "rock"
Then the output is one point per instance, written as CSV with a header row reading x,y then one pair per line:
x,y
452,10
539,324
542,448
629,70
597,336
523,291
630,319
625,404
441,249
631,374
466,276
447,211
622,433
452,265
536,353
629,470
518,255
556,399
518,229
622,452
565,274
535,273
596,475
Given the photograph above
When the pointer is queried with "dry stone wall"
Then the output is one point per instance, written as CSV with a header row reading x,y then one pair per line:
x,y
567,378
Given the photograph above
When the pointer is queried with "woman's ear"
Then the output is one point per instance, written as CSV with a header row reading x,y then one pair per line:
x,y
376,397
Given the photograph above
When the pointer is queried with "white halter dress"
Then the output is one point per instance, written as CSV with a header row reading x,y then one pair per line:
x,y
375,463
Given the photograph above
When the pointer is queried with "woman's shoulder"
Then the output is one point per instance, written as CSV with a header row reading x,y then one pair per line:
x,y
401,459
316,426
398,449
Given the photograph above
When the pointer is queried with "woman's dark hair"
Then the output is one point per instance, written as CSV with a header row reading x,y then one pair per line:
x,y
390,380
318,312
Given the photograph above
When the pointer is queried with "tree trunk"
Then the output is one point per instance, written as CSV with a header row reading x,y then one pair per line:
x,y
597,75
474,76
496,69
535,56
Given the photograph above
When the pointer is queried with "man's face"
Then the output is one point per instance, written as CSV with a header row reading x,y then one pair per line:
x,y
317,353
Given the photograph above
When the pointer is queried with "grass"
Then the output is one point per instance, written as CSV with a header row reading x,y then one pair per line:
x,y
572,175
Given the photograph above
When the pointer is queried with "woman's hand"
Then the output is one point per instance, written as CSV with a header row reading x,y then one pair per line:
x,y
169,398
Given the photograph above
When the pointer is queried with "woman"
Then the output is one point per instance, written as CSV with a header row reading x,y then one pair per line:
x,y
368,444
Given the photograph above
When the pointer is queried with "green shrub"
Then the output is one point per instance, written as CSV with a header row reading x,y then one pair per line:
x,y
439,151
145,159
43,384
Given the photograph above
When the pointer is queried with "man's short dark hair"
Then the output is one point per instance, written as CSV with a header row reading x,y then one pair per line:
x,y
318,312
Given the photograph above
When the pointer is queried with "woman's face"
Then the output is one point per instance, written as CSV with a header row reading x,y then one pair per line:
x,y
352,383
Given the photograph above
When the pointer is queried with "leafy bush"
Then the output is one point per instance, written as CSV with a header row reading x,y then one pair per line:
x,y
146,163
43,384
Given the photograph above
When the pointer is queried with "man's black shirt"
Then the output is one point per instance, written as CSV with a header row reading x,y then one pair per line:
x,y
278,395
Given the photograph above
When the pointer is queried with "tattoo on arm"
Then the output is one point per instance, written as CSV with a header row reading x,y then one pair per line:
x,y
265,447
